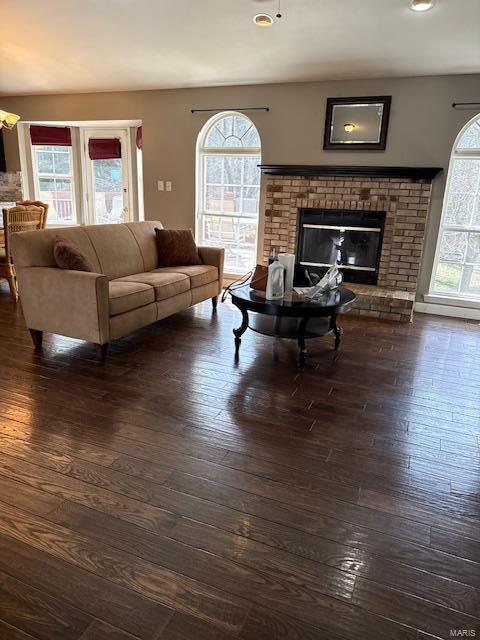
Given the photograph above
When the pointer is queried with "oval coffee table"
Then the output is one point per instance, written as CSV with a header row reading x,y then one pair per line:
x,y
292,318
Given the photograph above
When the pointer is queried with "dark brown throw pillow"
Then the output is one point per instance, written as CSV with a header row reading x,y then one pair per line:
x,y
176,248
67,256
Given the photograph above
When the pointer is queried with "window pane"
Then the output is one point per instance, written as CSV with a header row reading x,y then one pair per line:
x,y
214,138
471,138
47,185
62,163
465,176
58,194
473,248
63,185
447,278
108,190
251,139
54,182
225,125
250,200
213,169
459,209
476,212
232,199
213,198
232,166
241,126
239,238
44,162
232,141
453,246
471,281
251,170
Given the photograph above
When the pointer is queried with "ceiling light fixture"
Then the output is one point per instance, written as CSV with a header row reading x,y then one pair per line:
x,y
421,5
349,127
263,20
8,120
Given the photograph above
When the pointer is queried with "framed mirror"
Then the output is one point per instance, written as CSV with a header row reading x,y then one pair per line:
x,y
357,123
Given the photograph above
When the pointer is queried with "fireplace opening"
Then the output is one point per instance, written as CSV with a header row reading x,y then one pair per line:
x,y
351,239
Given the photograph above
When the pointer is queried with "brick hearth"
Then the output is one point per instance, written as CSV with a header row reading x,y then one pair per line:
x,y
405,202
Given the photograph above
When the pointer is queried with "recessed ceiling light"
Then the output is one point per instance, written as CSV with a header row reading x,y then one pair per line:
x,y
421,5
349,127
263,20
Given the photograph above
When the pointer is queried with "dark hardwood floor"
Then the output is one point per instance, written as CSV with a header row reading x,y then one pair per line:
x,y
170,494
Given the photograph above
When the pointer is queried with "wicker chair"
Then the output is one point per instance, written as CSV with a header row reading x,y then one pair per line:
x,y
35,203
19,218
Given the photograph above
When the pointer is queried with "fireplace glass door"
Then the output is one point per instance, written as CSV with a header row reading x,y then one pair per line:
x,y
356,248
352,240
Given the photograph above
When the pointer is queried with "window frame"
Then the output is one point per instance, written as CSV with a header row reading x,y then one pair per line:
x,y
87,170
457,154
202,152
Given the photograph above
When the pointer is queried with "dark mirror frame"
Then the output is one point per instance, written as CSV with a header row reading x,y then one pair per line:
x,y
361,146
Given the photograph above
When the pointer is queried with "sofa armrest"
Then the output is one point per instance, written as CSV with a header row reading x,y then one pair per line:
x,y
213,256
70,303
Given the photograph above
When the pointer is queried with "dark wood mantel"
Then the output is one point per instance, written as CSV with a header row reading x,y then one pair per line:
x,y
427,173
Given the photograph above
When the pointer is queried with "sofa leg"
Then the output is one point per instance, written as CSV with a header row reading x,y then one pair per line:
x,y
37,338
101,351
215,302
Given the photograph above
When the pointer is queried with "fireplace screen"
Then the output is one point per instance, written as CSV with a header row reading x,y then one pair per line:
x,y
352,239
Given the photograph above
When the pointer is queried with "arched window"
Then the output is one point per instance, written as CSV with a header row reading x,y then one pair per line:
x,y
228,188
456,271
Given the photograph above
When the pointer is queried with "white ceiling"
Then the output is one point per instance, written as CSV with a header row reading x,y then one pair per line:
x,y
62,46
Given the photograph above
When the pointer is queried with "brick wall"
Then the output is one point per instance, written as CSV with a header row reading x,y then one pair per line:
x,y
10,187
404,201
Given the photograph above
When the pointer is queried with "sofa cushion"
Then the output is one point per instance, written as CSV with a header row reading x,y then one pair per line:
x,y
125,296
199,274
166,284
117,249
144,234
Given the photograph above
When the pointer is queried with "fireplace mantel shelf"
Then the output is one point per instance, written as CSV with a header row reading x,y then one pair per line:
x,y
426,173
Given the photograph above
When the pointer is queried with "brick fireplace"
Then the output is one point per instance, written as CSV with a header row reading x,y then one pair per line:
x,y
402,194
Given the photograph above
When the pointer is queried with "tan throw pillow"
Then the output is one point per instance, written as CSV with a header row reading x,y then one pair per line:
x,y
176,248
67,256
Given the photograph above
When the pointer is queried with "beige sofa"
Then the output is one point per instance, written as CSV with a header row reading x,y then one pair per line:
x,y
126,292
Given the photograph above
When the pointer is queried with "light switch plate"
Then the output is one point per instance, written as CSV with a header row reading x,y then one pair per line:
x,y
168,185
160,185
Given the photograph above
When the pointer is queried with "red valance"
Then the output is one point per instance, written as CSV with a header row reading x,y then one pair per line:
x,y
139,139
58,136
104,148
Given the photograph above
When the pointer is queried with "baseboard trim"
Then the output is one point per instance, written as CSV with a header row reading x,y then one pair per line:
x,y
447,310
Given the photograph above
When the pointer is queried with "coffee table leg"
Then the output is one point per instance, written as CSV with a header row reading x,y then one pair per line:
x,y
302,350
338,331
240,331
